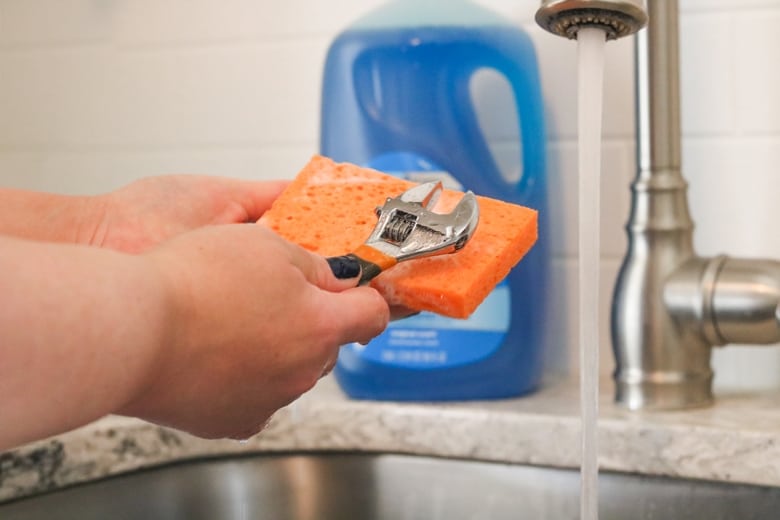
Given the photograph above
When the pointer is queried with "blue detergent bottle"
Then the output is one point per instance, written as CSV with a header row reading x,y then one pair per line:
x,y
397,98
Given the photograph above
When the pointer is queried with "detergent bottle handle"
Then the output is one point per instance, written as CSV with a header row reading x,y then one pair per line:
x,y
516,62
530,114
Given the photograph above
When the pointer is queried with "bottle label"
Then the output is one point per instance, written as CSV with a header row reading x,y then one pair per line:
x,y
427,340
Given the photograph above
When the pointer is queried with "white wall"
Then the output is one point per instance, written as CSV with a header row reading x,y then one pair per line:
x,y
95,93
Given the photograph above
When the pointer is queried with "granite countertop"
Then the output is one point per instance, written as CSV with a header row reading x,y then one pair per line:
x,y
735,441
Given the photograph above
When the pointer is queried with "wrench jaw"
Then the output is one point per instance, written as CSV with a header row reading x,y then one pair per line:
x,y
465,217
407,228
443,234
425,195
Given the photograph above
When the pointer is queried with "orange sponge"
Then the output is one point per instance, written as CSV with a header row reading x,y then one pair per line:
x,y
329,209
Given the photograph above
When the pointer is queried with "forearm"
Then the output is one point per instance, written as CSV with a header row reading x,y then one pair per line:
x,y
49,217
80,331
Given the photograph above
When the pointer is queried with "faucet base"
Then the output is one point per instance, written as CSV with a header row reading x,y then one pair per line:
x,y
660,391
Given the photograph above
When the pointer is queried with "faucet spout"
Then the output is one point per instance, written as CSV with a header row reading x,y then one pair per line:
x,y
617,18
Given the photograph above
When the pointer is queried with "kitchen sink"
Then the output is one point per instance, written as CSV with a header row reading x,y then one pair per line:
x,y
353,486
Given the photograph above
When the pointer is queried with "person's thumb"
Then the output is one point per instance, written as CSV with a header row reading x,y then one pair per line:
x,y
358,314
333,274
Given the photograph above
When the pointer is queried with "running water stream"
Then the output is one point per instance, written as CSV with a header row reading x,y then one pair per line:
x,y
591,77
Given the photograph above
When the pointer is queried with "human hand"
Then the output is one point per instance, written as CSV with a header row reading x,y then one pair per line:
x,y
256,322
151,210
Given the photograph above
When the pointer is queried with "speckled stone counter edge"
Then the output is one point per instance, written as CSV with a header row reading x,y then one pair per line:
x,y
736,441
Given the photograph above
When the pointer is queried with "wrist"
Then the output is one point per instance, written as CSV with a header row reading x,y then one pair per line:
x,y
163,336
89,219
49,217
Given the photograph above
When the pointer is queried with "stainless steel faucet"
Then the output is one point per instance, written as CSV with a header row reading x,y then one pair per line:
x,y
670,305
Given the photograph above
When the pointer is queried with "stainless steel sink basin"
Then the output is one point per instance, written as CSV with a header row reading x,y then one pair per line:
x,y
384,487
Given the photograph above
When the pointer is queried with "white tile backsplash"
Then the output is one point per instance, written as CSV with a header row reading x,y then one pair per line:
x,y
187,22
55,22
694,6
734,192
757,71
96,93
707,81
102,96
98,171
57,96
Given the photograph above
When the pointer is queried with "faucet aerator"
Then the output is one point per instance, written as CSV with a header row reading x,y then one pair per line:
x,y
617,18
